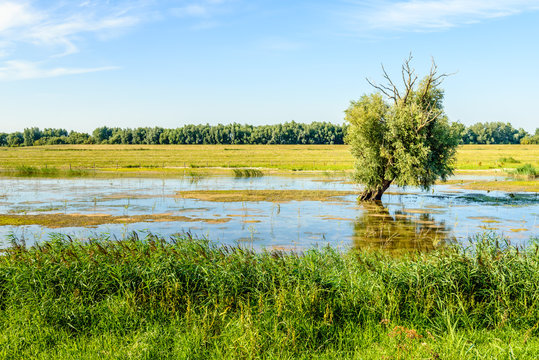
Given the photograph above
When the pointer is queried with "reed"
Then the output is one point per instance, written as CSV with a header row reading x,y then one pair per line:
x,y
247,173
46,171
24,170
189,298
527,170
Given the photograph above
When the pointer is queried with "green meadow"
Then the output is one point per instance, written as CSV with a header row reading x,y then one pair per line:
x,y
280,157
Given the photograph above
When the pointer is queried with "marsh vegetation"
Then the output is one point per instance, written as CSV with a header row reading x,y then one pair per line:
x,y
296,267
181,297
284,212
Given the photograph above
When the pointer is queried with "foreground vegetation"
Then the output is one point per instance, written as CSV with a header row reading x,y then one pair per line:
x,y
184,298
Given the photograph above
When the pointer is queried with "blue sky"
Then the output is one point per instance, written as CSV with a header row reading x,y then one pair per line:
x,y
83,64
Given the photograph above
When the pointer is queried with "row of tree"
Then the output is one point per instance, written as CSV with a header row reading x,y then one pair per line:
x,y
287,133
495,133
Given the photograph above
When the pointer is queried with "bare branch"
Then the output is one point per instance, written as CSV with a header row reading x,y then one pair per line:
x,y
393,87
383,89
409,80
433,80
408,77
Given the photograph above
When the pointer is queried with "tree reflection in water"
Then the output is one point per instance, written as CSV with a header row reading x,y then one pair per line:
x,y
399,232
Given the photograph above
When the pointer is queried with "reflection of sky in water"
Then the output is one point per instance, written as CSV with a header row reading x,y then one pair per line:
x,y
296,224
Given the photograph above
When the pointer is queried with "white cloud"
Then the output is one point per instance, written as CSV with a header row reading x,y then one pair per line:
x,y
199,8
23,23
432,15
20,70
15,14
34,33
191,10
56,31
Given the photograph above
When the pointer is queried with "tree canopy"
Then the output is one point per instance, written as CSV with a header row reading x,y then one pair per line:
x,y
286,133
401,136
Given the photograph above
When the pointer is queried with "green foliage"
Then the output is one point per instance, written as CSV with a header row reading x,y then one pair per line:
x,y
14,139
30,135
531,139
186,298
407,142
493,133
49,136
287,133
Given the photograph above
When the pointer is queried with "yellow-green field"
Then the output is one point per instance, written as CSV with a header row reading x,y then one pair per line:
x,y
283,157
496,156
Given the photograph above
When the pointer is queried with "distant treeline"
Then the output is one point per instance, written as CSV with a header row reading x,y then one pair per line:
x,y
495,133
287,133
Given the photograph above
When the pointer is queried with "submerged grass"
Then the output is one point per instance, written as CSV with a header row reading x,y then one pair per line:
x,y
24,170
46,171
59,220
186,298
247,173
263,195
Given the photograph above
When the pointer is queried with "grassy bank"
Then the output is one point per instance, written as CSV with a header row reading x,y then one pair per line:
x,y
184,298
151,158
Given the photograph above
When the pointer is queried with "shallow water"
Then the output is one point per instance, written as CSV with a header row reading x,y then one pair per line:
x,y
409,218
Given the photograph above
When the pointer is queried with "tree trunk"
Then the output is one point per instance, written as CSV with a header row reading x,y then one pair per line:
x,y
376,194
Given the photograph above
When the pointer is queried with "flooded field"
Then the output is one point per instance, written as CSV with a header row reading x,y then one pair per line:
x,y
267,212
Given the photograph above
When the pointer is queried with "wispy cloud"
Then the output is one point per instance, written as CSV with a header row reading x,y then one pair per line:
x,y
35,36
431,15
28,28
203,12
15,14
19,70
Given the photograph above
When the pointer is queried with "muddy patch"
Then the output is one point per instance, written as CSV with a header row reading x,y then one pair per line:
x,y
79,220
423,211
329,217
264,195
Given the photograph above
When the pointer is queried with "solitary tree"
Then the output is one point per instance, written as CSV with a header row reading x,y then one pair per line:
x,y
401,136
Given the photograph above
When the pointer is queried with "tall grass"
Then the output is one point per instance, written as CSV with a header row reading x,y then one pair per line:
x,y
508,160
247,173
46,171
24,170
188,298
527,170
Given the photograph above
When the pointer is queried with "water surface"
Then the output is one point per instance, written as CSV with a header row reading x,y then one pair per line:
x,y
407,218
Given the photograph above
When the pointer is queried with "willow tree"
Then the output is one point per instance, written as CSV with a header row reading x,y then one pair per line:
x,y
401,135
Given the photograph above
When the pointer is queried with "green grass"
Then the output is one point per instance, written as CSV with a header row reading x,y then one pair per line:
x,y
184,298
527,170
24,170
484,157
152,158
247,173
508,160
46,171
